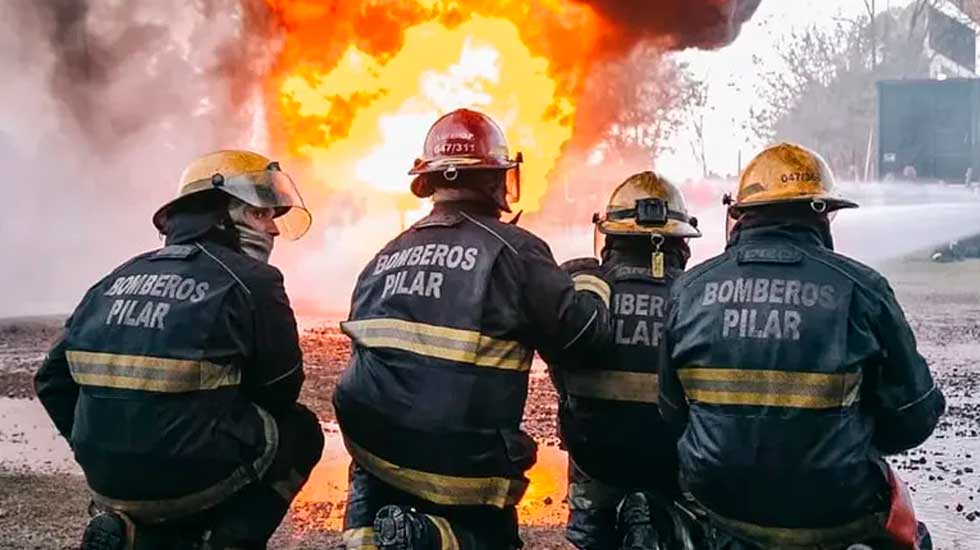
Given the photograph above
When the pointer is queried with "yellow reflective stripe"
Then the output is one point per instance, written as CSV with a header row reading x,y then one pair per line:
x,y
638,387
438,488
361,538
801,390
145,373
592,283
452,344
447,538
786,538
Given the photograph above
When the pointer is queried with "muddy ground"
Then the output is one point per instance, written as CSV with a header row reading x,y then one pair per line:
x,y
43,499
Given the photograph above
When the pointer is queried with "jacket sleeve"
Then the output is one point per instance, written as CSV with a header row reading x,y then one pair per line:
x,y
567,318
56,389
275,375
905,401
673,402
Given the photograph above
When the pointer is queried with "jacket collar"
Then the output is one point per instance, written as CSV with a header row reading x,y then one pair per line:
x,y
796,233
186,228
477,208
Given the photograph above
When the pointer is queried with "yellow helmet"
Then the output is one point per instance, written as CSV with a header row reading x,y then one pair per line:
x,y
249,177
646,204
786,173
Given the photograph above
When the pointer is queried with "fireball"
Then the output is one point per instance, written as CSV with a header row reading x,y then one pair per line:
x,y
357,104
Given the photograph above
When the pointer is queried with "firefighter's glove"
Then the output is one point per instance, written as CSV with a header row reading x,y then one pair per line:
x,y
587,277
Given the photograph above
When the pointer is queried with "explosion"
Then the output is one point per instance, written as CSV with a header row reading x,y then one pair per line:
x,y
357,84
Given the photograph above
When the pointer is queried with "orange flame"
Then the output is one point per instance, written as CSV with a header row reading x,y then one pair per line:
x,y
358,86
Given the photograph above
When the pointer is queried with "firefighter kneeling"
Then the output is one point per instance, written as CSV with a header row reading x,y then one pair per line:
x,y
444,323
177,377
790,371
622,457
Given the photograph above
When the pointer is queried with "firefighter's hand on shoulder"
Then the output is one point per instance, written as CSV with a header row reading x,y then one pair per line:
x,y
581,265
587,277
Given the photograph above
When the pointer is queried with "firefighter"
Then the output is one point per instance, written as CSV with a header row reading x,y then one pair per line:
x,y
176,380
617,442
791,372
444,323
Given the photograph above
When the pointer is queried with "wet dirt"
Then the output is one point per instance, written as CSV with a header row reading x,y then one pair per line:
x,y
43,496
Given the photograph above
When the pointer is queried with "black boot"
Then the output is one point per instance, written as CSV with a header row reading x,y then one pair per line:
x,y
635,524
401,528
106,531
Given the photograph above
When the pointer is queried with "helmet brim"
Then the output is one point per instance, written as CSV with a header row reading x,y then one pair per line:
x,y
460,163
673,228
833,203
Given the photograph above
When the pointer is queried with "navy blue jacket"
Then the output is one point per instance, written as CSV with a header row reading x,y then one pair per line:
x,y
791,371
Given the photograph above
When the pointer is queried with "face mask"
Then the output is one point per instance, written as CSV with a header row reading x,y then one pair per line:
x,y
255,243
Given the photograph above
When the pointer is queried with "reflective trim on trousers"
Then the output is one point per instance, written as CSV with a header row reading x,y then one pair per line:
x,y
439,488
361,538
447,539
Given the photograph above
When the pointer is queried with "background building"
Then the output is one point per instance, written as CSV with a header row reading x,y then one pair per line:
x,y
953,39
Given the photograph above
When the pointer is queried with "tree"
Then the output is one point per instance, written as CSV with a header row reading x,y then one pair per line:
x,y
823,93
693,105
647,94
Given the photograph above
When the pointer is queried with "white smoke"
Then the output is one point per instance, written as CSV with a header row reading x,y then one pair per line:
x,y
895,220
104,103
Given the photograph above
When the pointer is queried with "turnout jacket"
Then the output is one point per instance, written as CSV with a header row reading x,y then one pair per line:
x,y
608,414
791,371
444,323
168,374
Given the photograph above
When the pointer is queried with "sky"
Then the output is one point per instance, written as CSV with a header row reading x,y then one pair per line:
x,y
731,79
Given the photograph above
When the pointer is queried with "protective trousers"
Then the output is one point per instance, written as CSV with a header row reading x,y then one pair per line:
x,y
718,538
458,527
592,511
249,518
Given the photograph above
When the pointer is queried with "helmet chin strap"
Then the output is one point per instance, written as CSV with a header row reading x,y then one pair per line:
x,y
254,243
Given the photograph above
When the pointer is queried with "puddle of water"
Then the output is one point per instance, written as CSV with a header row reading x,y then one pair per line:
x,y
28,440
938,489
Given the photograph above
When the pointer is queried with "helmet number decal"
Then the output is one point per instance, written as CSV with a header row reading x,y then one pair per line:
x,y
802,177
455,148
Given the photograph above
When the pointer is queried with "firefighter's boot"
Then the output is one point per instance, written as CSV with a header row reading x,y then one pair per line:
x,y
636,525
108,531
401,528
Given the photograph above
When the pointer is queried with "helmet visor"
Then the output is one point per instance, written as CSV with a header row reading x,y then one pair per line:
x,y
272,189
598,241
514,184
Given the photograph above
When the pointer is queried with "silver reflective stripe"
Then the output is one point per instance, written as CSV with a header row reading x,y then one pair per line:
x,y
147,373
769,388
451,344
637,387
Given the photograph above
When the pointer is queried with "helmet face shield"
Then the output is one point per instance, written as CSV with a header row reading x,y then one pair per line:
x,y
598,241
514,184
271,189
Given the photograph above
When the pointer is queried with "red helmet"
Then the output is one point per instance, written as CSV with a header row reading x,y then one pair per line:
x,y
462,140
